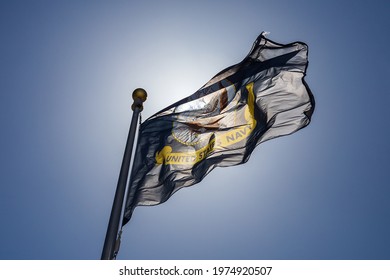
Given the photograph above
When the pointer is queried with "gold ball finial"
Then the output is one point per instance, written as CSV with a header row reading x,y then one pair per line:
x,y
140,93
139,96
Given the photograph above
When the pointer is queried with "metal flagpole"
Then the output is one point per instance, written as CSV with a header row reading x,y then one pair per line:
x,y
139,96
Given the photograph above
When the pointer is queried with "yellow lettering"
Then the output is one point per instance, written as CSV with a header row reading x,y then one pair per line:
x,y
165,156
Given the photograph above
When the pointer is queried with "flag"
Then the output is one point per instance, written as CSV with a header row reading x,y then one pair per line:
x,y
262,97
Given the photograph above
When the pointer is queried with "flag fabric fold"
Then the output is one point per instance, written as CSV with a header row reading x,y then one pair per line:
x,y
262,97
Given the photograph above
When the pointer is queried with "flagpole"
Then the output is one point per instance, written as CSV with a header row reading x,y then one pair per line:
x,y
139,96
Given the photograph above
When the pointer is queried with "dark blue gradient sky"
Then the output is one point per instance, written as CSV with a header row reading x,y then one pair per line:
x,y
67,70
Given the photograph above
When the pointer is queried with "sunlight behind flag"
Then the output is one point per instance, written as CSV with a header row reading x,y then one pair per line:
x,y
262,97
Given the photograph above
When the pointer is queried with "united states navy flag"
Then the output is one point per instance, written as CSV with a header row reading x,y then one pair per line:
x,y
260,98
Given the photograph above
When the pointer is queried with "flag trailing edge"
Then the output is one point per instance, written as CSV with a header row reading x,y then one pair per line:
x,y
262,97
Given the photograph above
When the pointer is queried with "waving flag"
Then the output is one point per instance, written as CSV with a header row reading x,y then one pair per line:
x,y
262,97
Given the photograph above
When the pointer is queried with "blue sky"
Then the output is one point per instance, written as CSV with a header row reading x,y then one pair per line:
x,y
67,71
